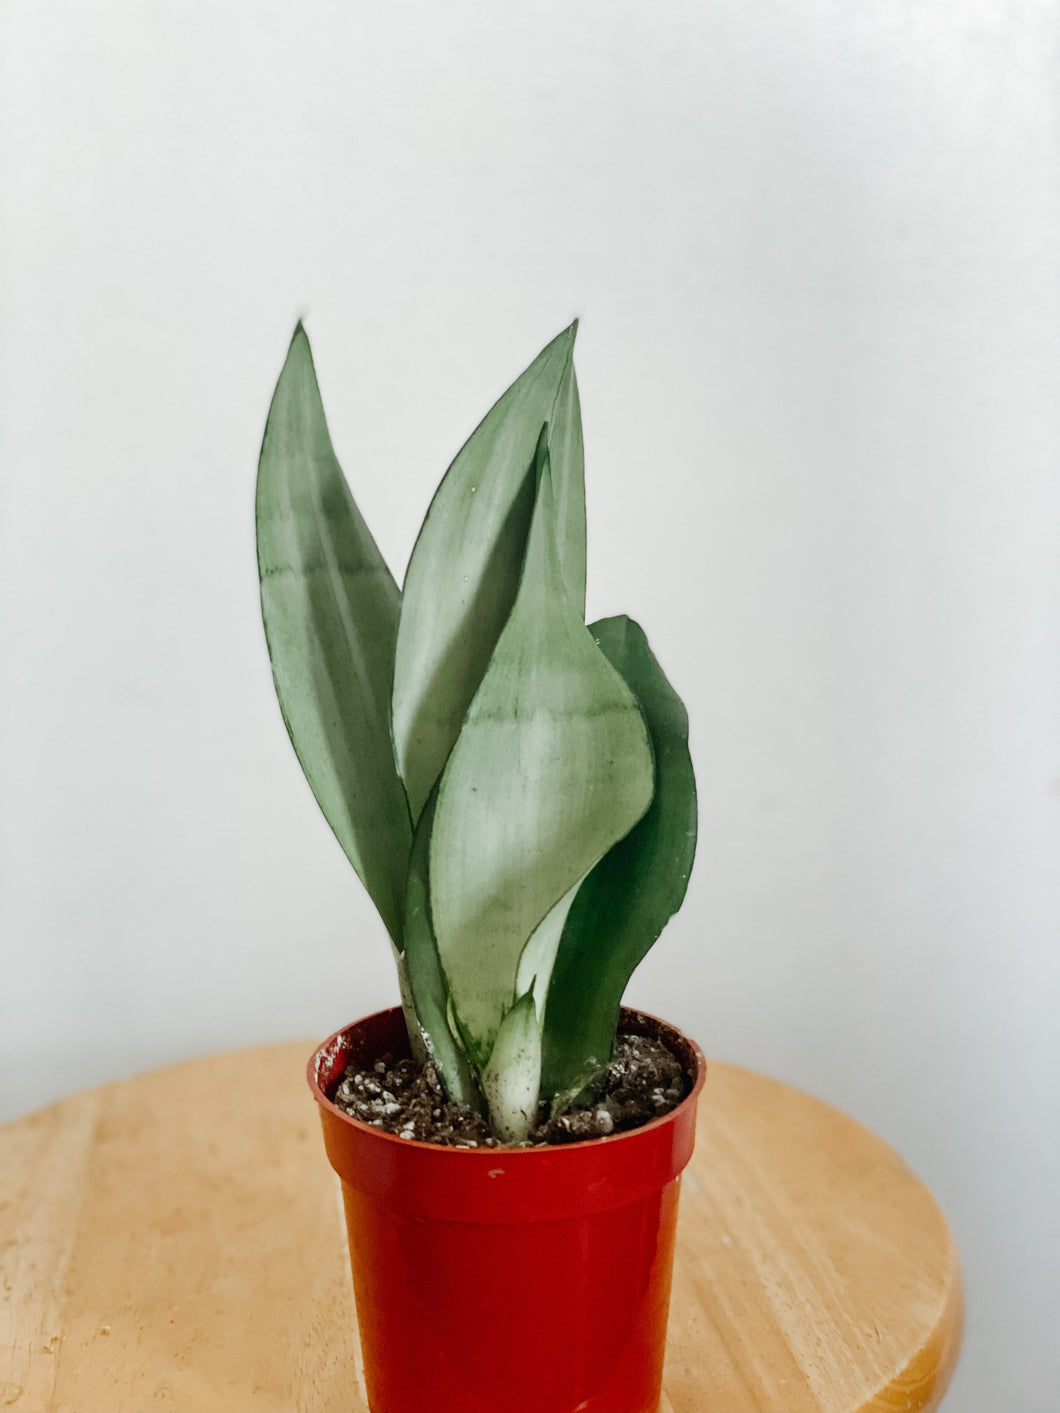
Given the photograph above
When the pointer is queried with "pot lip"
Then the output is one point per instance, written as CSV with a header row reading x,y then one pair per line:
x,y
335,1042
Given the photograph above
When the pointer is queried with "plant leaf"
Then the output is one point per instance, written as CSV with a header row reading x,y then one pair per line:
x,y
551,767
464,572
512,1078
330,607
538,957
417,1036
430,996
626,901
567,462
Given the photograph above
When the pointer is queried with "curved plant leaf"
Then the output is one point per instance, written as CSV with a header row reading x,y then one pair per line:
x,y
538,957
626,901
430,996
464,572
552,765
330,607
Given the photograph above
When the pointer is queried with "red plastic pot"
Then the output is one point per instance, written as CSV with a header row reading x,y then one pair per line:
x,y
508,1280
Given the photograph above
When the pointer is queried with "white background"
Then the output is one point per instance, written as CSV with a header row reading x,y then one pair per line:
x,y
816,251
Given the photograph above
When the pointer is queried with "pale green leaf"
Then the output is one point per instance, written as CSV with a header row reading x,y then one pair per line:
x,y
512,1078
551,767
464,571
567,462
539,955
626,901
330,607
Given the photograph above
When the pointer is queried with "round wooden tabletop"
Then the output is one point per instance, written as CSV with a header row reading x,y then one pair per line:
x,y
177,1240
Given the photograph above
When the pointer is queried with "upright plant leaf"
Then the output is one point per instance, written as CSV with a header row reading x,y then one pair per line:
x,y
567,461
464,572
538,957
512,1078
430,996
552,765
627,899
330,607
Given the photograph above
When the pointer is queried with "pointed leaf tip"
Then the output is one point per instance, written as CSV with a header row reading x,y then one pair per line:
x,y
464,572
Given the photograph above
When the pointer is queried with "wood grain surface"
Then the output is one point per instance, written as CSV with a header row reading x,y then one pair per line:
x,y
176,1241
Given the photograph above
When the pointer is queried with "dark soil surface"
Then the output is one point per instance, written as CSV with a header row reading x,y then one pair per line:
x,y
643,1081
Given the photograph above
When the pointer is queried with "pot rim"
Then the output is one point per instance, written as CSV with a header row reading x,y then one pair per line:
x,y
326,1053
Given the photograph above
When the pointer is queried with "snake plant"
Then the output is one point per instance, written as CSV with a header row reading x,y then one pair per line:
x,y
513,788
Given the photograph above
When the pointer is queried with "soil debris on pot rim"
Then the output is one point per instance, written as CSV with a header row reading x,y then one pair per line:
x,y
643,1081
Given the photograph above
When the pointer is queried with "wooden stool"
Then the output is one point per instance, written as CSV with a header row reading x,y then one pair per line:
x,y
177,1240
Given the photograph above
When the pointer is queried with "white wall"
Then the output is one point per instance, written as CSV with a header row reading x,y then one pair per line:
x,y
816,250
